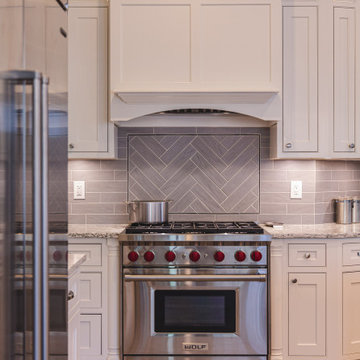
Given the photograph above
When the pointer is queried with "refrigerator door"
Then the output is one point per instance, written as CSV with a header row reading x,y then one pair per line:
x,y
33,180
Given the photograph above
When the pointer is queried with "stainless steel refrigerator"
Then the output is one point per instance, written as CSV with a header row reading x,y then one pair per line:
x,y
33,179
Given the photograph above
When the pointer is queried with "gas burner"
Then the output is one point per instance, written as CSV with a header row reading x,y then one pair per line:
x,y
203,227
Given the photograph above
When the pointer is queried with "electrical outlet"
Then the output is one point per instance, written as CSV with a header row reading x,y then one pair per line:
x,y
296,190
79,190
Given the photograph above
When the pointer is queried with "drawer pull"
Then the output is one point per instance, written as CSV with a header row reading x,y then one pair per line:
x,y
307,256
71,295
358,253
294,281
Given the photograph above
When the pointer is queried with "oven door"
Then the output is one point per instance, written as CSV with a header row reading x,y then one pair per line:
x,y
195,312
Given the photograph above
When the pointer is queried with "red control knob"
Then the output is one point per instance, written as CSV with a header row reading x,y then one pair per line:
x,y
194,256
219,256
57,255
256,255
133,256
240,256
170,256
149,256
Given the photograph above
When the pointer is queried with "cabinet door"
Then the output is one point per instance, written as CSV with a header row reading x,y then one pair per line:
x,y
192,45
73,336
90,336
300,74
307,310
90,290
351,313
88,128
230,27
344,79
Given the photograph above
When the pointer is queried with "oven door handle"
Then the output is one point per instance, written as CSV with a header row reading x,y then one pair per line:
x,y
256,277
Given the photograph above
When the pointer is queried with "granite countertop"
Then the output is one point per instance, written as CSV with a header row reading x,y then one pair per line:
x,y
74,261
320,231
96,231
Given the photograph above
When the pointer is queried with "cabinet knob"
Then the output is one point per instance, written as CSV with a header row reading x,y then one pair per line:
x,y
352,146
358,253
71,295
71,146
294,281
307,256
288,145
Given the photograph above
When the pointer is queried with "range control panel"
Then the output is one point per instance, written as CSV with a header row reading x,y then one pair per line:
x,y
135,256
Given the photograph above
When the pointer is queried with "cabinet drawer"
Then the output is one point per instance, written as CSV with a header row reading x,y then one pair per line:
x,y
90,336
92,251
307,255
90,289
351,254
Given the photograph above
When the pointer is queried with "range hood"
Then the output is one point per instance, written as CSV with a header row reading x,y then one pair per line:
x,y
264,105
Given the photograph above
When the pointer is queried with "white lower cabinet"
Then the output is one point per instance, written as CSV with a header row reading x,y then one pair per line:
x,y
73,315
99,330
307,314
92,292
315,299
351,313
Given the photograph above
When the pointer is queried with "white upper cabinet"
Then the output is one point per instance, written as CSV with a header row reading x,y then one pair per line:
x,y
344,79
196,52
300,78
320,99
90,133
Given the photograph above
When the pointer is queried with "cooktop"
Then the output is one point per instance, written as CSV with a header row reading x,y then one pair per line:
x,y
204,227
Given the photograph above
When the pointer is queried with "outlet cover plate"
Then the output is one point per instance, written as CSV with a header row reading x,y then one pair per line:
x,y
296,189
79,190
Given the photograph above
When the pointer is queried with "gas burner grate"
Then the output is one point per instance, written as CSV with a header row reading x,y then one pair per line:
x,y
204,227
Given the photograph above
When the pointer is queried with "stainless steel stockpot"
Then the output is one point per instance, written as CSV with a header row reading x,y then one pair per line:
x,y
148,211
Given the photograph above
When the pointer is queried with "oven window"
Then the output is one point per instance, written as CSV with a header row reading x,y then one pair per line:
x,y
206,311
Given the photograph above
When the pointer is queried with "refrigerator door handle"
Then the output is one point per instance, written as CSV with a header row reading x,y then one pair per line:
x,y
44,217
37,219
40,219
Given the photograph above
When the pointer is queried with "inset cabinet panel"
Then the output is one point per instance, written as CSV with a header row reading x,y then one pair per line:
x,y
307,314
88,127
190,45
90,289
235,42
90,336
300,78
155,42
344,79
92,251
351,313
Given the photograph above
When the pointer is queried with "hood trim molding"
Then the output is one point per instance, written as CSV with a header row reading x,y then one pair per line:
x,y
195,97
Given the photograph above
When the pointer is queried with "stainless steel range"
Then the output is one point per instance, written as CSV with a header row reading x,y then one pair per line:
x,y
195,291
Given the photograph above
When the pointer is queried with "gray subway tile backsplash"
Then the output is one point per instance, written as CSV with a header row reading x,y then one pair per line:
x,y
209,176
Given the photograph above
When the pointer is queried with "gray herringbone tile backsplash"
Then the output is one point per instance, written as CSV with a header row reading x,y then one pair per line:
x,y
211,174
201,174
